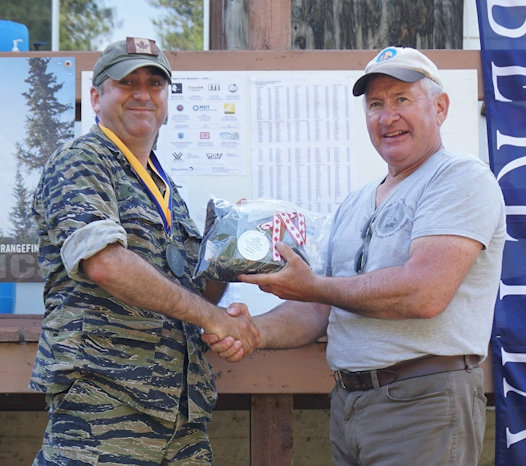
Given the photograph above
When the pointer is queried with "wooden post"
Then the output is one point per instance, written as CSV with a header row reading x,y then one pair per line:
x,y
229,24
217,36
271,430
250,25
269,25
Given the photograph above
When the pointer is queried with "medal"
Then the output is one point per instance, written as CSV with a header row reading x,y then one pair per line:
x,y
163,202
175,260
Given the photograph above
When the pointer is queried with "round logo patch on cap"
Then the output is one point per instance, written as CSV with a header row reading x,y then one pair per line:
x,y
386,54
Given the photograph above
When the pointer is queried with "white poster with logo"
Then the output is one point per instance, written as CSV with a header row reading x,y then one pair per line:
x,y
205,133
205,130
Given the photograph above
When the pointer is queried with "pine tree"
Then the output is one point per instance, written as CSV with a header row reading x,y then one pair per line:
x,y
45,130
24,228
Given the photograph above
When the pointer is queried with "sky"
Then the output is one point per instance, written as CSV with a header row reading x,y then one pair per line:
x,y
134,18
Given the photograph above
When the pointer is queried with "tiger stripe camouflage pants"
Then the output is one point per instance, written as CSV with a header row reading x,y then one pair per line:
x,y
87,426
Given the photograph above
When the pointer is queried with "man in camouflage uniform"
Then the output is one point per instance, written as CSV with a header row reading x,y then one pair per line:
x,y
120,356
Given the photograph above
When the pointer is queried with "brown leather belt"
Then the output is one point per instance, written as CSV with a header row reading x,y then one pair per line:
x,y
365,380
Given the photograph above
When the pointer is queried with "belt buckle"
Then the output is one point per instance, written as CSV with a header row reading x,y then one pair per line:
x,y
339,379
356,379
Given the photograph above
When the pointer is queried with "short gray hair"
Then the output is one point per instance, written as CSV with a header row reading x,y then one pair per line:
x,y
432,88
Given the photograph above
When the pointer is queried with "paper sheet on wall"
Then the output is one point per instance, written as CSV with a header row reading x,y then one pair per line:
x,y
205,132
302,141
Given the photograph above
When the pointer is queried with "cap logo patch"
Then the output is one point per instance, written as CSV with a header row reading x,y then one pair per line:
x,y
140,45
386,54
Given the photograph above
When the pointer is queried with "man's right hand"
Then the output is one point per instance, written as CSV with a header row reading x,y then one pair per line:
x,y
234,335
230,348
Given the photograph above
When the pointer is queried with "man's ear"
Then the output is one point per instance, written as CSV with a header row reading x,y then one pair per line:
x,y
442,107
94,97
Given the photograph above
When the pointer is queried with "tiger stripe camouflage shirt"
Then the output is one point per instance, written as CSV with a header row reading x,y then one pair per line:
x,y
88,197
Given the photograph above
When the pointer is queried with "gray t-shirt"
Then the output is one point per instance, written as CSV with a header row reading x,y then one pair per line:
x,y
449,194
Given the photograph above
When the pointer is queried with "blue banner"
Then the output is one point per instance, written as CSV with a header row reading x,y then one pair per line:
x,y
502,25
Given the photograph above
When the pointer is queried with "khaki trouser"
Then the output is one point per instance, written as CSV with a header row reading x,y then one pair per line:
x,y
432,420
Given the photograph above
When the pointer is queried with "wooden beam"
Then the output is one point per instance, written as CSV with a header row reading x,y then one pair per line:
x,y
296,371
271,430
301,370
293,60
16,365
269,25
217,35
274,380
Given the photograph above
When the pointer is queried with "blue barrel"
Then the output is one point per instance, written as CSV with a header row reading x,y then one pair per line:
x,y
14,37
7,297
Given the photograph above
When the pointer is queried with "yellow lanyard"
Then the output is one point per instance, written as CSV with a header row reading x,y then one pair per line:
x,y
163,202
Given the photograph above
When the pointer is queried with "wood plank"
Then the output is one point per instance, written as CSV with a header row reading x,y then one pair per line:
x,y
300,370
295,371
224,60
16,365
20,327
217,36
269,25
271,430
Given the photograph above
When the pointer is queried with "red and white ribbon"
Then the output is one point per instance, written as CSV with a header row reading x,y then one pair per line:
x,y
294,222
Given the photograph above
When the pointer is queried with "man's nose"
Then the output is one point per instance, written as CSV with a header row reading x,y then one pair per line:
x,y
141,92
388,114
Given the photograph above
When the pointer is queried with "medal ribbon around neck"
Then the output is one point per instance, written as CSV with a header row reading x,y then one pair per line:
x,y
163,203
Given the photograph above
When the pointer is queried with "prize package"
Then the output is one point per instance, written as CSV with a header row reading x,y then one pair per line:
x,y
241,238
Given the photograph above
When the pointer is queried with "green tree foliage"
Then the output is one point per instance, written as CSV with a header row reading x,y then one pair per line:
x,y
181,27
35,15
45,128
82,23
24,228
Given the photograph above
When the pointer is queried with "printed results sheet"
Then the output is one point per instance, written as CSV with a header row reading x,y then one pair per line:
x,y
302,141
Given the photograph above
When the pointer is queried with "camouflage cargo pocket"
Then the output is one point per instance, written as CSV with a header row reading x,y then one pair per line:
x,y
119,347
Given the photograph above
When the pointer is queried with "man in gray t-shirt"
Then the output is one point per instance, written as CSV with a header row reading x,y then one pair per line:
x,y
407,301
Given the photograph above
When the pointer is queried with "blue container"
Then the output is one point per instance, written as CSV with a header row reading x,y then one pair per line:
x,y
14,37
7,297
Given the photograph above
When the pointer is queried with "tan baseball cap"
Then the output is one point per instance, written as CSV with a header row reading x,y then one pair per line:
x,y
124,56
403,63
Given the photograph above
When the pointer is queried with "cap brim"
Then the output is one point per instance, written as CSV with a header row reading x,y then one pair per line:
x,y
123,68
403,74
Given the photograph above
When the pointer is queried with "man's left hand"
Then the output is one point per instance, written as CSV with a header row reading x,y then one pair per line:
x,y
295,281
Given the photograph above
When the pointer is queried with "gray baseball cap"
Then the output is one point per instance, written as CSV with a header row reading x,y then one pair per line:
x,y
403,63
124,56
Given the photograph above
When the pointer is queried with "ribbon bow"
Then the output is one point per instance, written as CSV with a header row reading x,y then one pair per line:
x,y
294,222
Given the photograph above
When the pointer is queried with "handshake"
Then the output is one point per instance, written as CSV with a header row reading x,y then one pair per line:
x,y
233,334
241,338
273,245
